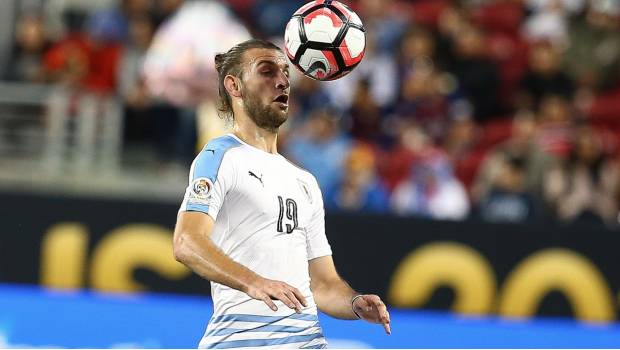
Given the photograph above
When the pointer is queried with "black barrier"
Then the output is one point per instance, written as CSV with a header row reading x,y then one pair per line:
x,y
469,267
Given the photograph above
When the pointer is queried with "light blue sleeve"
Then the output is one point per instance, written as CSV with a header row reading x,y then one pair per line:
x,y
210,177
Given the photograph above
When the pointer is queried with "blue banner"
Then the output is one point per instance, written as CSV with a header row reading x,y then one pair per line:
x,y
32,317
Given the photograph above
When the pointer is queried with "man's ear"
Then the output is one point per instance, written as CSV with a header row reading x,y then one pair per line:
x,y
232,85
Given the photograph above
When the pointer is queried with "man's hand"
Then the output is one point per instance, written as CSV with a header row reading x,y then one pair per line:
x,y
369,307
266,290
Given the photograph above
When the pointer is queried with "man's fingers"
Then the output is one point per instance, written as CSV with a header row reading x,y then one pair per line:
x,y
382,313
289,295
269,303
284,297
299,296
381,308
387,328
295,299
384,316
375,310
377,302
362,304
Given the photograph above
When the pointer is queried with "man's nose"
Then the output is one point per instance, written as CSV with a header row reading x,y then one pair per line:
x,y
283,82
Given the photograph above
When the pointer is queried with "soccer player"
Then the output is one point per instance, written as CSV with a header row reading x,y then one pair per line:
x,y
253,223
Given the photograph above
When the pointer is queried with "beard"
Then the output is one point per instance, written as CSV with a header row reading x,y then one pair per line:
x,y
266,117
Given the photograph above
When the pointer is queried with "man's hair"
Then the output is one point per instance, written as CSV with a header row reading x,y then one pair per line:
x,y
231,63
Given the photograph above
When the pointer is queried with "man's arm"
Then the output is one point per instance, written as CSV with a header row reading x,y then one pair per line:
x,y
335,297
193,247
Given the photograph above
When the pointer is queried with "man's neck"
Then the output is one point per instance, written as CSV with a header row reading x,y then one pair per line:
x,y
254,136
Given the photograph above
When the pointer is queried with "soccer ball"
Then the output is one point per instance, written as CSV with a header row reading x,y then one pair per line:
x,y
325,40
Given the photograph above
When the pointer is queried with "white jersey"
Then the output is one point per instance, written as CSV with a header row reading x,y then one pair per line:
x,y
269,217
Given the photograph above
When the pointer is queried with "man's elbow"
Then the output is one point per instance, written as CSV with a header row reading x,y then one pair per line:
x,y
180,248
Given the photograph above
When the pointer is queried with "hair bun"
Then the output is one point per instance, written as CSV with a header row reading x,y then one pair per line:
x,y
219,61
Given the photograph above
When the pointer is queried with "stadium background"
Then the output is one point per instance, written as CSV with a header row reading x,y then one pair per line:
x,y
469,168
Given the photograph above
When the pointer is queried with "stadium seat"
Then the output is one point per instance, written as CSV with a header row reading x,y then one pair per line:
x,y
495,132
509,52
466,168
427,12
499,16
606,109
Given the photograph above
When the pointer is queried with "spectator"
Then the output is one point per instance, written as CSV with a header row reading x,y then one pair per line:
x,y
131,86
571,7
363,119
508,199
395,165
271,16
460,139
165,9
583,187
66,62
63,17
549,21
431,191
86,64
554,125
452,21
105,34
131,9
417,50
593,55
477,76
386,20
534,162
308,95
321,147
379,69
360,189
147,120
26,62
384,28
544,77
88,59
421,101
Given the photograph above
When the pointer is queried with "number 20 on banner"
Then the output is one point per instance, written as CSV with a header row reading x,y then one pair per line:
x,y
474,283
113,260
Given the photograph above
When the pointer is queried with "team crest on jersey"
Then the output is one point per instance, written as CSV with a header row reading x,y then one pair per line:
x,y
305,189
201,188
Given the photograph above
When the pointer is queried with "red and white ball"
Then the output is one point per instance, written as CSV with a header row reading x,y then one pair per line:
x,y
325,39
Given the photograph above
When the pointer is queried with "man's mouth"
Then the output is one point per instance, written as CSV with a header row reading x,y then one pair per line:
x,y
282,100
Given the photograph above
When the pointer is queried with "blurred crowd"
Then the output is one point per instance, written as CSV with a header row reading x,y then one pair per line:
x,y
501,110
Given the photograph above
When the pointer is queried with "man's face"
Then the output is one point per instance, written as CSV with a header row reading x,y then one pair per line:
x,y
266,87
